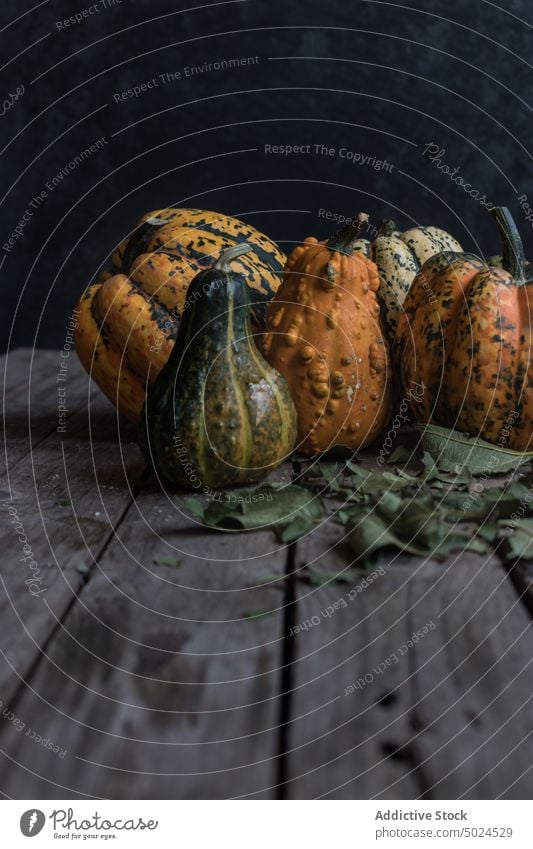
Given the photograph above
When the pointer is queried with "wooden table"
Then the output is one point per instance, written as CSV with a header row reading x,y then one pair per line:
x,y
126,675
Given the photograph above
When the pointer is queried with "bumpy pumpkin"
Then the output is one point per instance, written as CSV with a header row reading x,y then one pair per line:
x,y
399,256
217,415
324,335
129,318
466,336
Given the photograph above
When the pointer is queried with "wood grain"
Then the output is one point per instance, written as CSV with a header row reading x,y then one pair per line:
x,y
166,661
342,738
66,499
472,703
30,399
161,683
448,717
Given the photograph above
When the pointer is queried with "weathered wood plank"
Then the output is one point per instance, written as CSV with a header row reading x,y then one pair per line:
x,y
521,574
155,682
458,695
473,711
67,497
346,710
31,383
159,684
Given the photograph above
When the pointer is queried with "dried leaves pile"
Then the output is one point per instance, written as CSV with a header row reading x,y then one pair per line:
x,y
448,493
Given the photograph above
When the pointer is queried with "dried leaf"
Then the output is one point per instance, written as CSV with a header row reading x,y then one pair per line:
x,y
291,511
401,454
369,482
489,531
270,578
194,507
496,502
168,561
413,525
452,450
519,542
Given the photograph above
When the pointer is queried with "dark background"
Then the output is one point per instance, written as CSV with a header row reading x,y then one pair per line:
x,y
380,78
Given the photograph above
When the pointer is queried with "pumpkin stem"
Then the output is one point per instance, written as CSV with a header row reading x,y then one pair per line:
x,y
229,254
513,259
140,239
386,227
154,221
343,240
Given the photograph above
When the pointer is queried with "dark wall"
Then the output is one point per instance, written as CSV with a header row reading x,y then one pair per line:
x,y
376,78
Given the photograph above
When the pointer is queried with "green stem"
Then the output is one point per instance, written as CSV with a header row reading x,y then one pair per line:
x,y
229,254
513,259
139,241
343,240
387,227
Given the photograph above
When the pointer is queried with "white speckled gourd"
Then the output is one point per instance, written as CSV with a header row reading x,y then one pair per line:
x,y
399,257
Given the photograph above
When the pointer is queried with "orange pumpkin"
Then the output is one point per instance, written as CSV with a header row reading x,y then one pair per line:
x,y
324,334
466,337
128,320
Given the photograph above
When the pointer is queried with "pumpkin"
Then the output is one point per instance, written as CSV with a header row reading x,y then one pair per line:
x,y
399,256
129,318
324,334
217,415
466,337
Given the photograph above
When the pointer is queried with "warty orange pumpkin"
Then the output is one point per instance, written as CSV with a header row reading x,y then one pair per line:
x,y
324,334
466,336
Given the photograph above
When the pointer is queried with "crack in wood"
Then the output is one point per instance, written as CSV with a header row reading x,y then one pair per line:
x,y
289,621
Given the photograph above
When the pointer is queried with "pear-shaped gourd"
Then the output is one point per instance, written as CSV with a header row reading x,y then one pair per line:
x,y
217,415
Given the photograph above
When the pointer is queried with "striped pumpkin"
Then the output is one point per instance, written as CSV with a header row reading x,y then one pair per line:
x,y
129,318
466,337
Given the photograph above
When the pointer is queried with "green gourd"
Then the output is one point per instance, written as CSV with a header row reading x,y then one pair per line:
x,y
217,415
